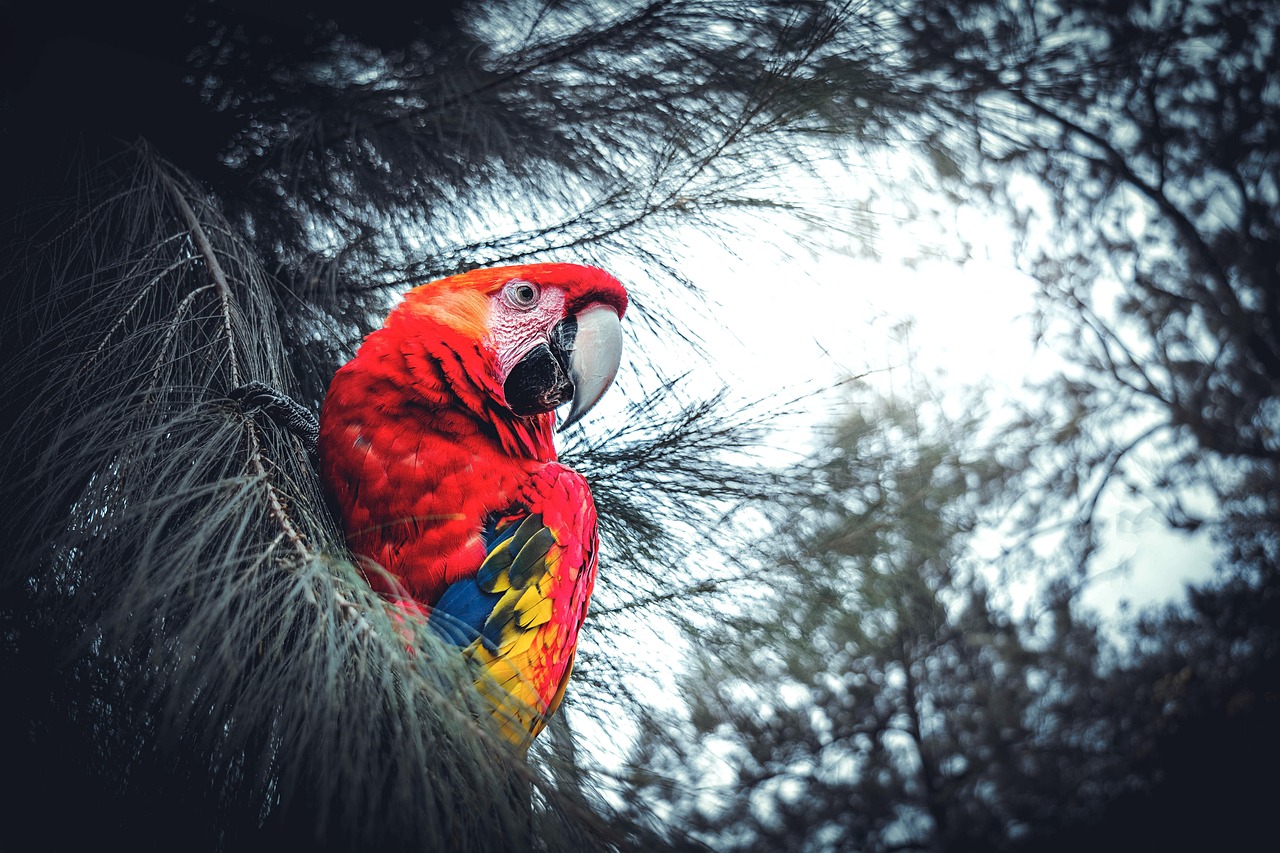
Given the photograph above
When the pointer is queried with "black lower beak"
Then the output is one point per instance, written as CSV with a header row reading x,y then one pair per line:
x,y
540,381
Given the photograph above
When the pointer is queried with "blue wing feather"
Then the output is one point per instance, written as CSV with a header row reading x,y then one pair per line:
x,y
459,616
464,608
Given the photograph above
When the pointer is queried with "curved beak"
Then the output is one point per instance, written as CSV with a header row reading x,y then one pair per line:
x,y
595,353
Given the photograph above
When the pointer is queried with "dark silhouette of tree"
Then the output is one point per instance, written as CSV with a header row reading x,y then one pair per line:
x,y
1188,719
207,195
872,697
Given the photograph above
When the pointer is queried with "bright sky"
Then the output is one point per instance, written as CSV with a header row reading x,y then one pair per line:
x,y
779,323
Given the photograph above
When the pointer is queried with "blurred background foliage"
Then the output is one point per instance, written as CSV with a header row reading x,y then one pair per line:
x,y
817,654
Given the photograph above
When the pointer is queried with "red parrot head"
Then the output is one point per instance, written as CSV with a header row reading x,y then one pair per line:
x,y
546,334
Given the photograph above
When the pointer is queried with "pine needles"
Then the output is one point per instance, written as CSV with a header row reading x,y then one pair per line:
x,y
193,650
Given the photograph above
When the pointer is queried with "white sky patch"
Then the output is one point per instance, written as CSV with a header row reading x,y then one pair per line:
x,y
1144,562
778,323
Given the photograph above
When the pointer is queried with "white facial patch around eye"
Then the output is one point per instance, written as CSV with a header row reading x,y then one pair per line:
x,y
514,332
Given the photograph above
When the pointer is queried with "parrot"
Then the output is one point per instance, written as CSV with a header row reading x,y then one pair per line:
x,y
436,448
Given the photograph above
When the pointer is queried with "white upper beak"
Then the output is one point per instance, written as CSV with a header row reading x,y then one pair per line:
x,y
597,352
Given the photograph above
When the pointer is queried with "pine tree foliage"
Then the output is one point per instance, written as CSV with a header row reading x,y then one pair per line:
x,y
575,126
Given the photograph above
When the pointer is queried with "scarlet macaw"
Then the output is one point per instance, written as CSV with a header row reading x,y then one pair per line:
x,y
436,445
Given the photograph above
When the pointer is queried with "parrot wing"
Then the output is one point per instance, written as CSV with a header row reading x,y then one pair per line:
x,y
518,618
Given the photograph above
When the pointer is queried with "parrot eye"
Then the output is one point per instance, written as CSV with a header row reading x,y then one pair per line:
x,y
522,294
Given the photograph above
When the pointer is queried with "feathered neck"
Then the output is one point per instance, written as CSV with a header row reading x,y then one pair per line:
x,y
453,374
